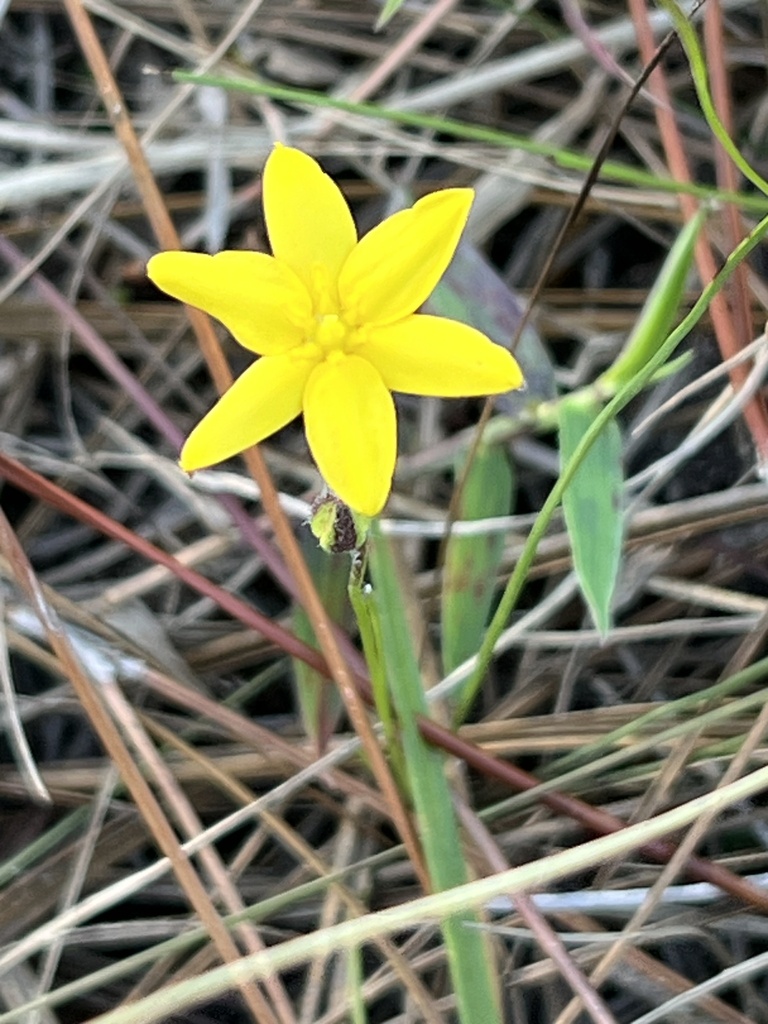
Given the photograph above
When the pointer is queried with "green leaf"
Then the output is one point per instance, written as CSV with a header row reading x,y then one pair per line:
x,y
659,310
472,562
320,703
592,504
469,959
391,7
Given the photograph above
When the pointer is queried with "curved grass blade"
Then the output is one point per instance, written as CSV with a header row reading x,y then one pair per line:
x,y
659,311
390,9
564,158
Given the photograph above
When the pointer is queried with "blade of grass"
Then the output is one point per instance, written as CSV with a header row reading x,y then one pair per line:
x,y
689,39
369,625
566,159
319,703
659,309
388,11
468,954
52,837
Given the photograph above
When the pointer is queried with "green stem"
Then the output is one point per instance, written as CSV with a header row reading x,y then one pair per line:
x,y
475,133
367,617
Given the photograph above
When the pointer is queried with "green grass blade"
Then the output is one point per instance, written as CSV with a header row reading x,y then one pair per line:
x,y
369,625
357,1011
320,703
467,950
659,310
389,10
564,158
688,38
40,847
472,563
592,504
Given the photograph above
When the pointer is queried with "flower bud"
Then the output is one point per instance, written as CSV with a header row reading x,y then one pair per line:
x,y
336,526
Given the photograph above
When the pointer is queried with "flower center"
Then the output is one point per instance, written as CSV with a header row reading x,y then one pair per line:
x,y
327,337
331,333
328,333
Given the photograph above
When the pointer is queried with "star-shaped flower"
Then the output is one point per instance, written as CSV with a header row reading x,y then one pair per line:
x,y
333,321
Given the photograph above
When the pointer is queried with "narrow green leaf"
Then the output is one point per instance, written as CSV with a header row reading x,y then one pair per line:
x,y
659,311
698,62
356,1002
466,946
390,9
369,624
592,504
472,563
320,703
568,159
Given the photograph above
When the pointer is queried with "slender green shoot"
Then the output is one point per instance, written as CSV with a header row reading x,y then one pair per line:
x,y
467,948
698,64
563,158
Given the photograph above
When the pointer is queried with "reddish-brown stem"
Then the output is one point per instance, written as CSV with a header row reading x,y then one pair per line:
x,y
31,482
728,178
727,326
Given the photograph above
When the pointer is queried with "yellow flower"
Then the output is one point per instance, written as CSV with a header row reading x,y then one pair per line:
x,y
333,321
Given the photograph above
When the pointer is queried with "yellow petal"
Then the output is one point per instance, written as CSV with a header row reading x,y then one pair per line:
x,y
396,266
431,355
258,299
350,421
262,400
309,224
